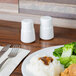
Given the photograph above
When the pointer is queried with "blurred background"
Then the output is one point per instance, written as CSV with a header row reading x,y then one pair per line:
x,y
62,11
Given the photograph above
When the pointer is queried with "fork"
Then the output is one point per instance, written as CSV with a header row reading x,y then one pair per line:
x,y
12,54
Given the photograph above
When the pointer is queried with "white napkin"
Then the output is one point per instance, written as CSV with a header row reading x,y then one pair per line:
x,y
11,63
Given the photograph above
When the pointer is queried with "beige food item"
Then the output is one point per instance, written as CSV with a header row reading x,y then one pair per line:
x,y
70,71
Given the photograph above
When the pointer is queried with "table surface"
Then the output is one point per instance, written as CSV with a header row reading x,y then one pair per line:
x,y
10,34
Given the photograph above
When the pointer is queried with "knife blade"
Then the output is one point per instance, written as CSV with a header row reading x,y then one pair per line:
x,y
4,49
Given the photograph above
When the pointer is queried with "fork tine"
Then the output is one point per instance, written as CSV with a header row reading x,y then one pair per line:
x,y
14,50
16,47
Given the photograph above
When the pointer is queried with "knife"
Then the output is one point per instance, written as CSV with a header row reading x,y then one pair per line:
x,y
4,49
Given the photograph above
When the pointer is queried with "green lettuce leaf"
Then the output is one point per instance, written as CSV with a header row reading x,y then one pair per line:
x,y
67,50
58,52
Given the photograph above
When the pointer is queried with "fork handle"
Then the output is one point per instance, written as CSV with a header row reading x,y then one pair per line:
x,y
3,62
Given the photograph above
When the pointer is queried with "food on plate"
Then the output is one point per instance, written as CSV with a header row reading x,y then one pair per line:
x,y
62,62
66,54
58,52
44,66
70,71
46,60
66,61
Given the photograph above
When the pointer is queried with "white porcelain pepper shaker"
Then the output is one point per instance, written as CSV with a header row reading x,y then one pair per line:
x,y
27,31
46,28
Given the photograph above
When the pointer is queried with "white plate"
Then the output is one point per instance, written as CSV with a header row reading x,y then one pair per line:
x,y
47,51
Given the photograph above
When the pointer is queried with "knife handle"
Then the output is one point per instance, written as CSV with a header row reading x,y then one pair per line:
x,y
4,49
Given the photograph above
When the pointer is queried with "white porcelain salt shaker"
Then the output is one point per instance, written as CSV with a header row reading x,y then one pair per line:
x,y
27,31
46,28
